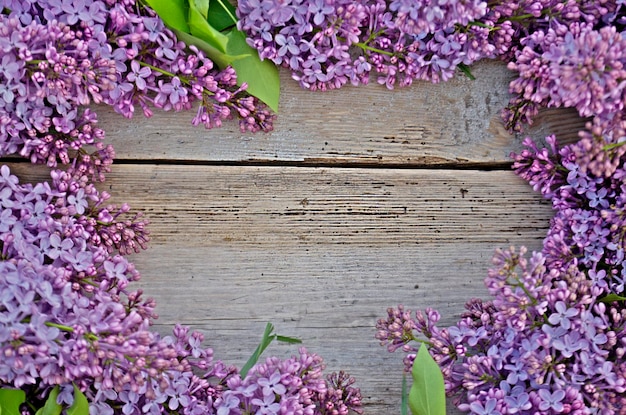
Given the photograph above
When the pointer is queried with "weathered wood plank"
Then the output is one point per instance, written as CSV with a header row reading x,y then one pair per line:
x,y
320,252
425,124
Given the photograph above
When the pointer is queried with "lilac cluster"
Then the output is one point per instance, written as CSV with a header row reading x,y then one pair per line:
x,y
554,46
67,313
58,56
553,338
68,317
571,55
46,79
586,184
327,44
545,344
291,386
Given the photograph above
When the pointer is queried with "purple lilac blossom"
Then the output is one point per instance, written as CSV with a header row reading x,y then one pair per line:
x,y
58,56
575,58
328,44
552,338
67,314
585,183
526,362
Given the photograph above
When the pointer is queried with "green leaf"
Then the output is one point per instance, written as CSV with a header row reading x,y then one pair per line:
x,y
202,6
265,341
221,59
223,14
267,338
10,401
289,340
200,28
612,297
228,49
404,405
51,407
428,394
467,71
173,12
261,76
80,405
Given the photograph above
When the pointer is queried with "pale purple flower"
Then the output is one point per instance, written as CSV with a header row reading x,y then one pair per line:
x,y
138,74
563,315
78,201
489,407
518,403
10,68
551,401
174,90
272,385
570,343
267,405
228,404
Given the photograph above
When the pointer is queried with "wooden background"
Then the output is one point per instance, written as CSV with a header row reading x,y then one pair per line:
x,y
361,199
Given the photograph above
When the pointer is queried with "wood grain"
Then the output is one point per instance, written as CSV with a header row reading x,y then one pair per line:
x,y
320,252
452,123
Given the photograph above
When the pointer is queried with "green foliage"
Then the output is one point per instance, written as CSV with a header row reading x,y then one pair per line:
x,y
202,6
210,26
404,404
428,394
612,297
51,407
173,12
80,405
268,337
223,15
10,401
261,76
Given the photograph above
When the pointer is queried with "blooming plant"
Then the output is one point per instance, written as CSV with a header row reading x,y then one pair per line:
x,y
75,335
552,339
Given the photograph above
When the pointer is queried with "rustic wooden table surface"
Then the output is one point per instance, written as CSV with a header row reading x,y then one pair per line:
x,y
361,199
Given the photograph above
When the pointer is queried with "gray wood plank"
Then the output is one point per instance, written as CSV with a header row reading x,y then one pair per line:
x,y
320,252
425,124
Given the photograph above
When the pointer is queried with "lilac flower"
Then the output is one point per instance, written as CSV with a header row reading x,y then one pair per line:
x,y
78,201
138,75
569,343
266,406
517,403
272,385
552,400
489,407
320,10
563,315
10,68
